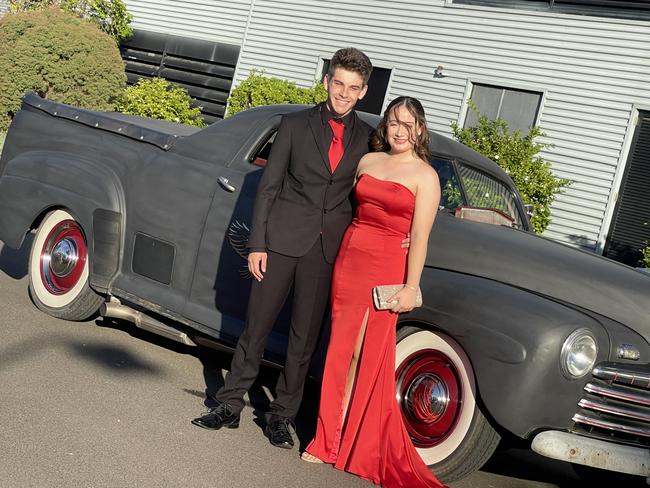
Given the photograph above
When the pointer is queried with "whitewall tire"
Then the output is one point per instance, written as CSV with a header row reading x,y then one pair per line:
x,y
436,392
58,269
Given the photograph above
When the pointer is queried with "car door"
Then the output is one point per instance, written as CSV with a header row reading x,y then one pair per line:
x,y
167,196
221,285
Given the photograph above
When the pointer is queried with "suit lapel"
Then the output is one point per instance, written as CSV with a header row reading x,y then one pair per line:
x,y
316,126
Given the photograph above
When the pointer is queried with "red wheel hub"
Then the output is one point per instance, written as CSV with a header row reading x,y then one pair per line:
x,y
63,257
429,393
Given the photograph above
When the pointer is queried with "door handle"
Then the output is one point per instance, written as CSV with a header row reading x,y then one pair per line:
x,y
225,184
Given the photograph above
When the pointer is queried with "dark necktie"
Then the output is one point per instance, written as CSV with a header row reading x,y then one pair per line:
x,y
336,146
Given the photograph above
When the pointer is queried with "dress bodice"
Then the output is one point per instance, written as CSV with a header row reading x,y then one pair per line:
x,y
385,205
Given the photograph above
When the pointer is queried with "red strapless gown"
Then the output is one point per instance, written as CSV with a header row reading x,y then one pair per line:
x,y
372,442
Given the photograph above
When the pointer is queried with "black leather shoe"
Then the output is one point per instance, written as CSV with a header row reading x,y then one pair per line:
x,y
279,431
220,416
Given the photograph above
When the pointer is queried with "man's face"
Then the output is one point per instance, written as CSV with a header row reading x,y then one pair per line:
x,y
344,89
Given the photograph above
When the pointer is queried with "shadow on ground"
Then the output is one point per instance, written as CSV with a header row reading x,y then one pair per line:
x,y
14,262
117,360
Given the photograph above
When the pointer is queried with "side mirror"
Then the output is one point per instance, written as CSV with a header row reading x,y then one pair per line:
x,y
530,209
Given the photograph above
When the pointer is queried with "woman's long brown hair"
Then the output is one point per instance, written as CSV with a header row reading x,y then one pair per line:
x,y
420,141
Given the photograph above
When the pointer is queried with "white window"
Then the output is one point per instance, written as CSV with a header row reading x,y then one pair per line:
x,y
518,108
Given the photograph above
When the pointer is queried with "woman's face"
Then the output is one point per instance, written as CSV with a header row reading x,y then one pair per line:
x,y
401,130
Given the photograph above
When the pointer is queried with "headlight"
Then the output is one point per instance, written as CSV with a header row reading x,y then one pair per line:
x,y
579,353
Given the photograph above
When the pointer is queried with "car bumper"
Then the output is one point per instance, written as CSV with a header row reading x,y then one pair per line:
x,y
593,452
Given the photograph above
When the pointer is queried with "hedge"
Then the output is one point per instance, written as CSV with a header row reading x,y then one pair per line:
x,y
59,56
257,90
158,99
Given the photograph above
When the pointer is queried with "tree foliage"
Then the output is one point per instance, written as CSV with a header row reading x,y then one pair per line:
x,y
59,56
111,16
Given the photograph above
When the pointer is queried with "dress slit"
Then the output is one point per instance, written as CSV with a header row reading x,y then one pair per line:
x,y
351,382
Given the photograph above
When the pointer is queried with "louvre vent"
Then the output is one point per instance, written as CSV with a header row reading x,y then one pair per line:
x,y
204,68
630,231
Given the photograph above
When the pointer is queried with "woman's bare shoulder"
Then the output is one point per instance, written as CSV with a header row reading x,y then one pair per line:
x,y
369,159
426,175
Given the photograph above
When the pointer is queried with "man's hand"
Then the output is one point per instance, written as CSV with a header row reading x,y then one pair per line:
x,y
406,243
257,264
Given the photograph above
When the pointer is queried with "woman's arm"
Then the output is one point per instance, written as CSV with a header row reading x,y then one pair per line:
x,y
426,207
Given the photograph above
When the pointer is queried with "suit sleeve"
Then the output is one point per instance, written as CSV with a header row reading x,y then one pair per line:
x,y
270,185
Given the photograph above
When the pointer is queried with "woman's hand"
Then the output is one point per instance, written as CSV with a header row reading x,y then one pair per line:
x,y
404,300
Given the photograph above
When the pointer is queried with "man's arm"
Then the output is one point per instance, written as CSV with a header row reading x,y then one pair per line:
x,y
269,187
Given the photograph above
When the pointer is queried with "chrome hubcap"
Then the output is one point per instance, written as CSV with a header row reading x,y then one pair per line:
x,y
430,395
426,398
63,257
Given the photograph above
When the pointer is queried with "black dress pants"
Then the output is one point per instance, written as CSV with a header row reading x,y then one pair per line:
x,y
311,274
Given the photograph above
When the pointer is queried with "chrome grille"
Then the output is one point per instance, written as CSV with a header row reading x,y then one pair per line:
x,y
616,404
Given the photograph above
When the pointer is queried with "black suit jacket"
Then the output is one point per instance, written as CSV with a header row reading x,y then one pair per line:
x,y
299,200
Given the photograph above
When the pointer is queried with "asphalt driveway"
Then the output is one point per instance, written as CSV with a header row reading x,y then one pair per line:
x,y
102,404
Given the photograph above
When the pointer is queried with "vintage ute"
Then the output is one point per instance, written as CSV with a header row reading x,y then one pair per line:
x,y
519,337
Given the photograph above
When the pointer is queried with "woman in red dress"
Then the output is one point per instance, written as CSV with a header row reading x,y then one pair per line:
x,y
360,427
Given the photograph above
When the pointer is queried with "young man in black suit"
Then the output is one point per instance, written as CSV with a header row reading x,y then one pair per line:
x,y
302,209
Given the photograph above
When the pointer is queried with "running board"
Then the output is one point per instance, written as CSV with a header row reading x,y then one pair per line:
x,y
214,344
143,321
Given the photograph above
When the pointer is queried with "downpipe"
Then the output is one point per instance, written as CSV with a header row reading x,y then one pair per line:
x,y
115,309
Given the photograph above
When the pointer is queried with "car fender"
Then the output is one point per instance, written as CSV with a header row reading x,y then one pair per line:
x,y
34,182
513,338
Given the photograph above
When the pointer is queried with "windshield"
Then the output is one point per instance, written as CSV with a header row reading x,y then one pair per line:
x,y
451,196
481,190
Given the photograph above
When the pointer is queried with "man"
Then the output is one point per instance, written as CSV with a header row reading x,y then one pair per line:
x,y
302,209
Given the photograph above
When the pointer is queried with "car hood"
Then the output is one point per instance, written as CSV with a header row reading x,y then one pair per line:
x,y
543,266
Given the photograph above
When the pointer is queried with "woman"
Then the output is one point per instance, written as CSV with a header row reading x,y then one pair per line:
x,y
360,427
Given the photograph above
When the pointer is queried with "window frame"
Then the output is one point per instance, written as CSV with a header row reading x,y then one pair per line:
x,y
557,7
521,221
455,162
469,86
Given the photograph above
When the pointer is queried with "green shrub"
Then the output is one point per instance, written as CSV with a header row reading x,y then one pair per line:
x,y
519,156
257,90
31,5
158,99
111,16
3,135
60,57
645,260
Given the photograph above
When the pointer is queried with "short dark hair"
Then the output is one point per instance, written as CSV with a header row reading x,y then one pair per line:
x,y
351,59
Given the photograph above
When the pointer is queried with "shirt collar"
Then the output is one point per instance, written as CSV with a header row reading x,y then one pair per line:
x,y
326,115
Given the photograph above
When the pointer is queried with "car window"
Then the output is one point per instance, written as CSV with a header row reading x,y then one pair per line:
x,y
483,191
451,197
261,155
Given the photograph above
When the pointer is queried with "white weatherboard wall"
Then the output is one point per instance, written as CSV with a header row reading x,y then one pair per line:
x,y
4,6
592,70
212,20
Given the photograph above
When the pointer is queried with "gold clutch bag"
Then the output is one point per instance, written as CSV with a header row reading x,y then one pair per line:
x,y
382,293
